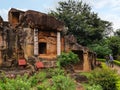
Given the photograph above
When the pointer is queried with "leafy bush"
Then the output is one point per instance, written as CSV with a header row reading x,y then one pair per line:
x,y
22,82
92,87
101,49
117,62
102,60
59,82
37,77
118,57
54,72
118,84
19,83
39,81
63,83
104,77
67,59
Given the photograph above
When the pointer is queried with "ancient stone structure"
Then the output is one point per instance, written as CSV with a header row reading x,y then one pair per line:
x,y
35,36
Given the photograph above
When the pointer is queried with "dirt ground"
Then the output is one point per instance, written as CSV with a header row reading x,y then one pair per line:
x,y
116,68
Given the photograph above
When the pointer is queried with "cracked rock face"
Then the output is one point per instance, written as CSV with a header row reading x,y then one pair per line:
x,y
18,38
34,19
18,35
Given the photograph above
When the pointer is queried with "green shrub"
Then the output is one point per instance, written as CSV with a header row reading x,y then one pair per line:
x,y
59,82
92,87
37,77
101,49
22,82
117,62
54,72
102,60
19,83
105,77
63,83
118,57
67,59
118,84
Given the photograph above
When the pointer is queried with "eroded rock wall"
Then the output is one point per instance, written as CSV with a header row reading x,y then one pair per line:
x,y
50,39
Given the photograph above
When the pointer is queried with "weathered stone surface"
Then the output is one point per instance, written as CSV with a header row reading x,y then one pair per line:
x,y
34,19
18,39
50,41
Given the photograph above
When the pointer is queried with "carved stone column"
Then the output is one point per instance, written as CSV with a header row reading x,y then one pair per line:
x,y
1,49
86,64
1,59
36,42
58,44
29,42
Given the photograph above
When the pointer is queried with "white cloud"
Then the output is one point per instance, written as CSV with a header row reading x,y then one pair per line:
x,y
114,18
4,14
107,10
100,4
105,3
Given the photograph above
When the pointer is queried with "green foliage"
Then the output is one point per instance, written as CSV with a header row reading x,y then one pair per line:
x,y
19,83
102,79
58,82
117,32
114,44
118,57
39,81
63,83
37,77
87,74
118,84
117,62
22,82
55,72
105,77
84,24
92,87
102,60
101,50
67,59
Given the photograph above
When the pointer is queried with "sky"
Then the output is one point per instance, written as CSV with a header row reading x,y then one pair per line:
x,y
108,10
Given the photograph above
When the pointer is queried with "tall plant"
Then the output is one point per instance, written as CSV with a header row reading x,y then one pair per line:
x,y
105,77
84,24
67,59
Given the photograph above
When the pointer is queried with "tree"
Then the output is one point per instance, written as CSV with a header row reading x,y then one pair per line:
x,y
85,25
114,44
117,33
101,49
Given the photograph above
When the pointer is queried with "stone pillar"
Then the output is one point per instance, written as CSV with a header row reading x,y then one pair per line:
x,y
86,64
28,44
1,44
1,59
58,44
36,42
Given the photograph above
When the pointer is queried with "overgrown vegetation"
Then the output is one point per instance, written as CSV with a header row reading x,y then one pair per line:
x,y
59,82
88,28
84,24
116,62
49,79
19,83
56,79
66,59
92,87
106,78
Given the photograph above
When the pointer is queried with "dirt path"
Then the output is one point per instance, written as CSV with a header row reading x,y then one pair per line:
x,y
117,68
